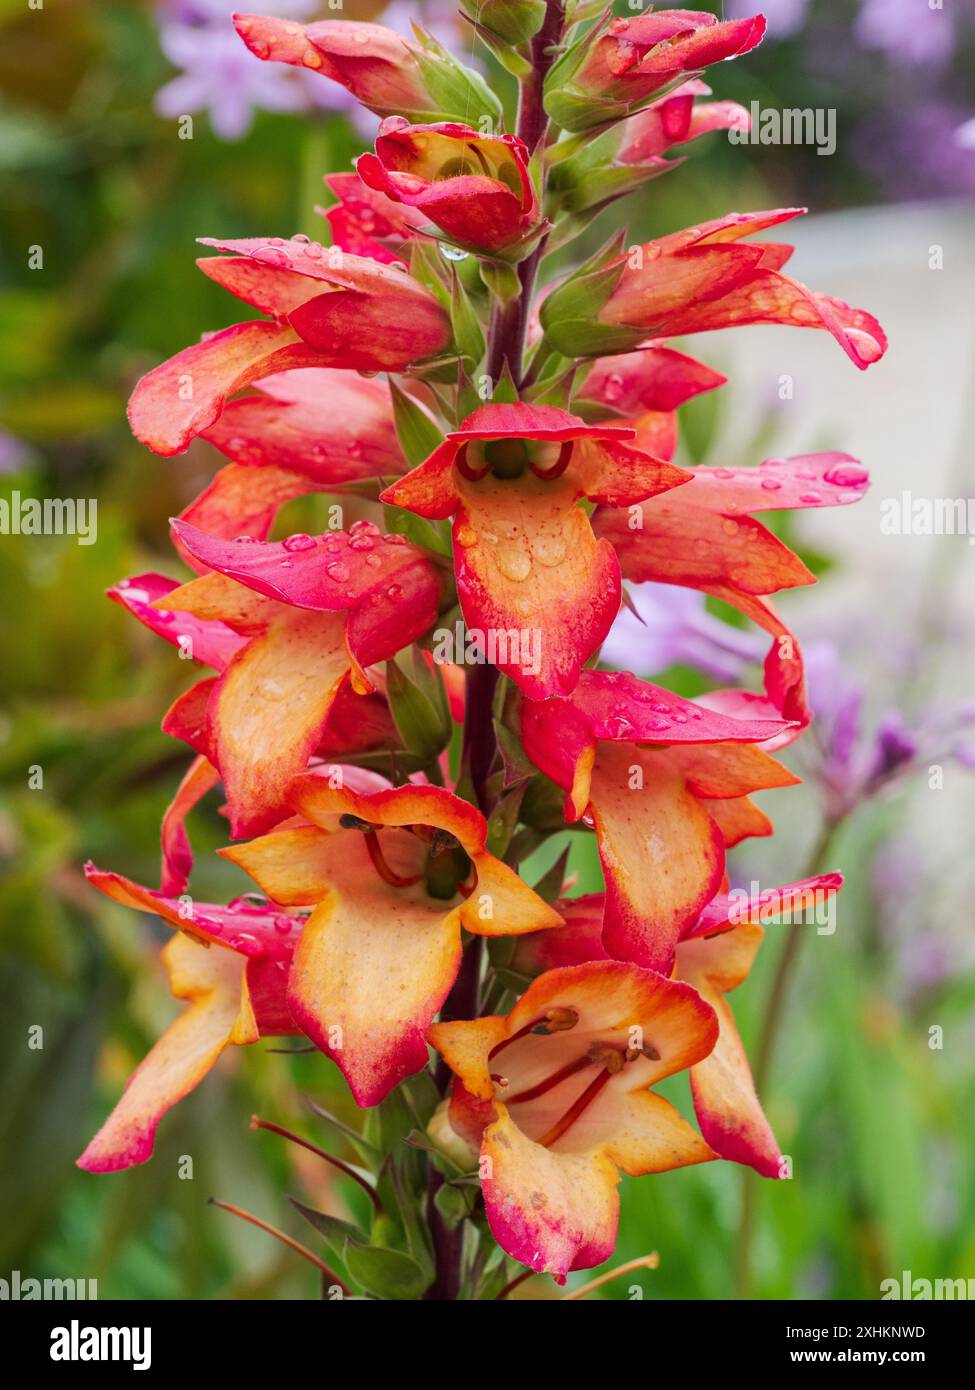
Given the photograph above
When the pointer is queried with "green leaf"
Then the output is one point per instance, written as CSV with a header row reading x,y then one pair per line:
x,y
334,1232
417,430
549,886
431,535
387,1274
369,1153
502,280
423,728
468,338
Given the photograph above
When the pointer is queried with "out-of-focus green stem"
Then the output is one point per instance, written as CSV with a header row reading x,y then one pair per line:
x,y
764,1053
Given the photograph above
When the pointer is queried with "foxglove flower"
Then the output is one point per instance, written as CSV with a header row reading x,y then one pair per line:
x,y
391,75
325,309
665,784
705,536
526,558
715,956
313,613
557,1098
474,187
229,964
701,279
616,69
392,877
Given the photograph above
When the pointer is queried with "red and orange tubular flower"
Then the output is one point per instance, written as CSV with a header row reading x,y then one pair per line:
x,y
474,187
626,60
314,613
230,965
665,783
557,1098
298,432
392,877
705,536
377,65
525,556
325,308
675,120
644,389
714,955
706,278
368,223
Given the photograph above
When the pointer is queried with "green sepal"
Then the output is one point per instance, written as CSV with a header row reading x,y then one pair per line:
x,y
501,279
468,337
422,724
458,92
384,1273
431,535
416,429
514,21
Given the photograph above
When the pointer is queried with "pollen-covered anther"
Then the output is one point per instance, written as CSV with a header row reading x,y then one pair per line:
x,y
555,1020
350,822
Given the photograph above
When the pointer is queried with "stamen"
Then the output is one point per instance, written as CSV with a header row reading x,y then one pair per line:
x,y
466,470
556,1079
613,1060
577,1107
555,1020
560,465
382,868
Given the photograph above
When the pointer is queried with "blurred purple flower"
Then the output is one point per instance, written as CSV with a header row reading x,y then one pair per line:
x,y
915,150
13,455
909,32
852,760
677,630
221,76
784,17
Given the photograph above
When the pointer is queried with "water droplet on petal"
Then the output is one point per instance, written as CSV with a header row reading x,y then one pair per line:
x,y
272,256
771,484
613,388
514,563
453,253
337,571
847,475
811,499
299,541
